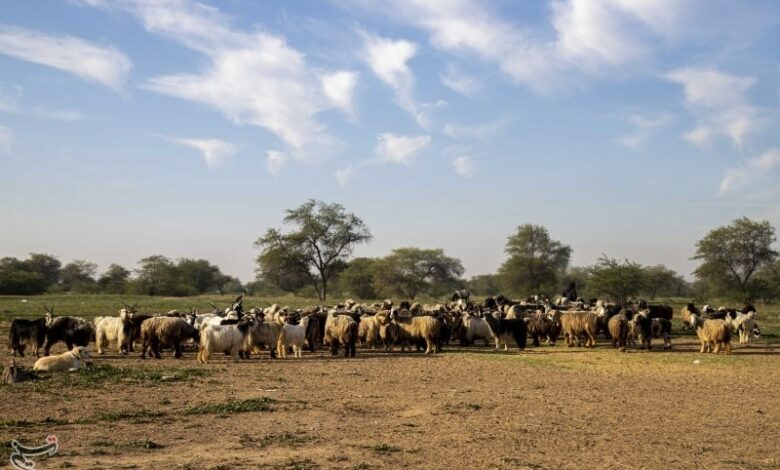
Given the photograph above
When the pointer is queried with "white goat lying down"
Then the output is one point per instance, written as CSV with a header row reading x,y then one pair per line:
x,y
294,336
74,359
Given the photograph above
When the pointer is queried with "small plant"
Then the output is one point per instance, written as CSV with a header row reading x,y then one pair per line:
x,y
237,406
386,449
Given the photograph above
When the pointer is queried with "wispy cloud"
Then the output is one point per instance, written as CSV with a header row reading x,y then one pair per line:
x,y
275,161
593,37
339,87
463,165
720,103
253,78
343,175
400,149
215,151
388,59
101,64
644,127
6,136
479,132
10,99
459,82
751,171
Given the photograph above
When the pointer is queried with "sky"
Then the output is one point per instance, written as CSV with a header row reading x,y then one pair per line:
x,y
627,128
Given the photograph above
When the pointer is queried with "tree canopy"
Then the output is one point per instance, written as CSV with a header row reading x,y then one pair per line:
x,y
535,262
410,271
322,239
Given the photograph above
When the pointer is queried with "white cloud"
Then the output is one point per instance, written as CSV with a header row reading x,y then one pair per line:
x,y
275,161
215,151
720,103
6,136
463,166
253,78
343,175
105,65
400,148
591,36
480,132
458,82
388,59
645,127
752,169
9,103
339,88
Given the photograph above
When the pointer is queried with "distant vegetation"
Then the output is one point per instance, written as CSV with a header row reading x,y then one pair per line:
x,y
314,259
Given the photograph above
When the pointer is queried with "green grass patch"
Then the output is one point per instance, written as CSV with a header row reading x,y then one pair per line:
x,y
233,406
129,415
284,439
386,449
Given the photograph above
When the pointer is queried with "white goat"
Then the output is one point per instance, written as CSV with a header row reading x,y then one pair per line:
x,y
222,338
108,329
293,335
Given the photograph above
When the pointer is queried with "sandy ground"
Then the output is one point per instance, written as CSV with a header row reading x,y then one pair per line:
x,y
546,408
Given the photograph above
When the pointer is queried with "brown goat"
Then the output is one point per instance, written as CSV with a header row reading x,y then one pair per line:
x,y
618,330
576,323
713,334
165,332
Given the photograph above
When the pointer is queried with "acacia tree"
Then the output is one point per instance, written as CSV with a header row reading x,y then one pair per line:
x,y
535,261
78,275
619,280
323,238
114,280
409,271
732,254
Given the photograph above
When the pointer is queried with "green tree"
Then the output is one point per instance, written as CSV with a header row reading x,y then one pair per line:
x,y
46,265
484,285
78,276
357,278
662,281
199,275
535,261
732,254
114,280
17,279
157,275
580,276
618,280
323,238
410,271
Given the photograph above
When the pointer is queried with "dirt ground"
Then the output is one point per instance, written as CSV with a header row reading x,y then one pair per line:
x,y
546,408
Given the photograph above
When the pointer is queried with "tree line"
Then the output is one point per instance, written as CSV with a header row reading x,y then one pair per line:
x,y
313,257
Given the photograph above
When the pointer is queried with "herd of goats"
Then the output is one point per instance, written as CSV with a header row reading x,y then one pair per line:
x,y
283,330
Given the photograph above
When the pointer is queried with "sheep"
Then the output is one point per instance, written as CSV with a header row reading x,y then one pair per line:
x,y
340,330
685,314
74,359
71,330
648,328
747,328
293,335
24,332
165,332
618,331
368,328
541,324
713,334
417,329
263,333
119,329
502,329
574,323
473,328
222,338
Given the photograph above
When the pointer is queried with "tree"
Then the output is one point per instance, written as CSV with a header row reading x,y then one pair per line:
x,y
114,280
156,276
78,276
409,271
199,275
579,275
17,279
732,254
323,238
484,285
619,280
665,282
358,277
46,265
535,261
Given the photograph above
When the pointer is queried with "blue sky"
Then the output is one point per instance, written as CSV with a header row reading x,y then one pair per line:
x,y
630,128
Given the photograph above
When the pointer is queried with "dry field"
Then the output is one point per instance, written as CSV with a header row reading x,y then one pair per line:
x,y
545,408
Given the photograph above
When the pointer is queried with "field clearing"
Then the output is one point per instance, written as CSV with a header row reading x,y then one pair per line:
x,y
545,408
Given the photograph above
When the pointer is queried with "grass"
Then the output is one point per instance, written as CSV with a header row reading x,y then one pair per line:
x,y
233,406
284,439
102,374
386,449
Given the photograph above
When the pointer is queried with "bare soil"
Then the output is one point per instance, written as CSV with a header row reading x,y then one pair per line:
x,y
545,408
